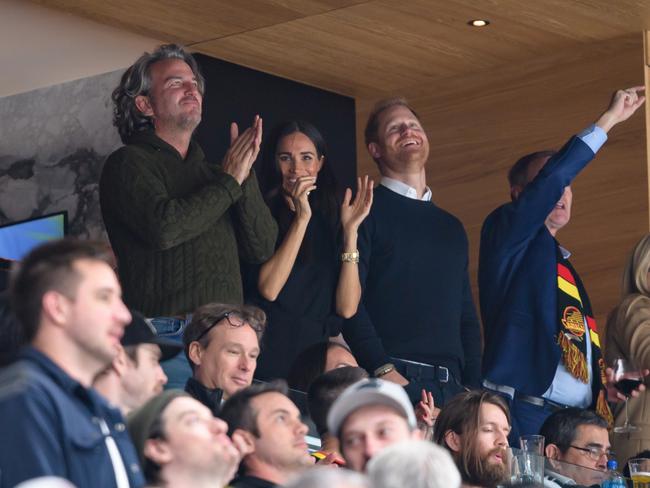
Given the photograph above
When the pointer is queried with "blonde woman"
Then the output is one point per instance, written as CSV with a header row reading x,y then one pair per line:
x,y
628,337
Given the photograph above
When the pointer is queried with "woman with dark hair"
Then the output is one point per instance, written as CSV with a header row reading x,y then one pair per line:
x,y
307,285
317,359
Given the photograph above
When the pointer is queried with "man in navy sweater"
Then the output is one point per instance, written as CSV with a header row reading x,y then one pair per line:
x,y
417,325
542,348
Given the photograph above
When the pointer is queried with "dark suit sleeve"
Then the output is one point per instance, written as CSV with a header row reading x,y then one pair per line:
x,y
255,227
525,216
359,331
508,230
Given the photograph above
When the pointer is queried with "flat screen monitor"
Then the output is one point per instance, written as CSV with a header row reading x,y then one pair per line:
x,y
18,238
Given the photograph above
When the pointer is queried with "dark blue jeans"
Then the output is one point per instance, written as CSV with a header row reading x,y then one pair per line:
x,y
177,369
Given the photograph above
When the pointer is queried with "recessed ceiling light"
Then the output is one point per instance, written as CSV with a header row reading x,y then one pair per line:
x,y
478,22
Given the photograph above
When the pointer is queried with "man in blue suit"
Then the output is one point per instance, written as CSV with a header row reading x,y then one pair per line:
x,y
541,344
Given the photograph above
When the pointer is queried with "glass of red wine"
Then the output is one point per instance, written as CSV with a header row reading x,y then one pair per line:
x,y
627,378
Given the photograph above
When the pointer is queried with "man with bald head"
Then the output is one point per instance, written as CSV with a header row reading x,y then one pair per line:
x,y
541,344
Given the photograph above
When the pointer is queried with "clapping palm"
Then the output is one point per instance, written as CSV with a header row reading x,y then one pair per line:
x,y
354,211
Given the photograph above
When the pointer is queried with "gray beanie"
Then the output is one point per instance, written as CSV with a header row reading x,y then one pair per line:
x,y
139,421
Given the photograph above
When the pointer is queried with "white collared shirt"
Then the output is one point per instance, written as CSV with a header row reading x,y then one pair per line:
x,y
405,190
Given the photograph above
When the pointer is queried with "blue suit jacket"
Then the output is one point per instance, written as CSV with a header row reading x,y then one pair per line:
x,y
518,279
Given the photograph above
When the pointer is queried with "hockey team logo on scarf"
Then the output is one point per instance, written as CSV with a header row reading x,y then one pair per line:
x,y
574,310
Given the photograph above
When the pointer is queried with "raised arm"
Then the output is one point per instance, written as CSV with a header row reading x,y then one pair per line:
x,y
521,219
275,272
348,290
255,227
359,331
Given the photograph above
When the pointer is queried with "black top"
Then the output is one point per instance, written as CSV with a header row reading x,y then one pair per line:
x,y
303,313
251,482
417,302
211,398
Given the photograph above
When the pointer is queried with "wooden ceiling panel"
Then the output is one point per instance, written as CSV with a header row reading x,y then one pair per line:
x,y
190,21
366,48
575,19
383,46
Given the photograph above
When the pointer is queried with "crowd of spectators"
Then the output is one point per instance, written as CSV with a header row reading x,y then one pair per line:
x,y
311,337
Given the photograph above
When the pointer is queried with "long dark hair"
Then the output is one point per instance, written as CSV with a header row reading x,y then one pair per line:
x,y
310,364
323,200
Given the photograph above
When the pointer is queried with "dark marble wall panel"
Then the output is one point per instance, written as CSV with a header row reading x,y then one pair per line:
x,y
53,143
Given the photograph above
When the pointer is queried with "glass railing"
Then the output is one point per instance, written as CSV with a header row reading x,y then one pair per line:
x,y
529,470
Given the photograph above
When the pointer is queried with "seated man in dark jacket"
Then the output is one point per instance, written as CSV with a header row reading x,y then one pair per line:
x,y
66,298
268,425
222,344
577,447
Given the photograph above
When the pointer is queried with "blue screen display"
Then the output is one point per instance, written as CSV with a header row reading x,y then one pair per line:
x,y
18,238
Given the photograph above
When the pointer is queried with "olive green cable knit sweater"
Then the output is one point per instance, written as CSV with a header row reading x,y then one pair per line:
x,y
179,226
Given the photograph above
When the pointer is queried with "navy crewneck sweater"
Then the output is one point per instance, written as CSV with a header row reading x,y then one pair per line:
x,y
417,302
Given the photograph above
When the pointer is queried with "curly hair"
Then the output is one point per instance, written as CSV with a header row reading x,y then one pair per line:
x,y
137,81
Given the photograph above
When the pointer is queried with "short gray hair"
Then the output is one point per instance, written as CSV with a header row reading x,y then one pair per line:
x,y
136,81
416,464
327,477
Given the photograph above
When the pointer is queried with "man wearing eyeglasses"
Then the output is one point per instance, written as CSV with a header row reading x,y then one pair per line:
x,y
577,438
222,343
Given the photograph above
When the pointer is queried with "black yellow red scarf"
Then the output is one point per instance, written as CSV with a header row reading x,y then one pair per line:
x,y
574,309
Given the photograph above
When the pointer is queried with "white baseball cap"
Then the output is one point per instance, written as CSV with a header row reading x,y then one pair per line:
x,y
370,391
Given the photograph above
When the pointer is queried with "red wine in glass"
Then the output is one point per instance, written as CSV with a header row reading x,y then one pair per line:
x,y
627,378
627,385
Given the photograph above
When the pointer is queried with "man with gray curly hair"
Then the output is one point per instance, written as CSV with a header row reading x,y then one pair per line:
x,y
179,224
328,477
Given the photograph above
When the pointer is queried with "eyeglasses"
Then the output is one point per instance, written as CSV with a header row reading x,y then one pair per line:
x,y
234,319
595,453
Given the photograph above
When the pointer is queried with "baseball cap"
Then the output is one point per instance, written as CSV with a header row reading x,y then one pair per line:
x,y
371,391
141,331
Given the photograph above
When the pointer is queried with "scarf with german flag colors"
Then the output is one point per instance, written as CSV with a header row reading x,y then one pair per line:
x,y
574,310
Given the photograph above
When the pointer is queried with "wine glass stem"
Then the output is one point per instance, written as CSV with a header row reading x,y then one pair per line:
x,y
627,418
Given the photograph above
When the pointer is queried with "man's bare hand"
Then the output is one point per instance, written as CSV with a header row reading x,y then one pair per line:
x,y
623,104
243,150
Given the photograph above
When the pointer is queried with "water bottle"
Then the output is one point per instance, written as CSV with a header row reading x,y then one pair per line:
x,y
614,478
